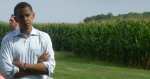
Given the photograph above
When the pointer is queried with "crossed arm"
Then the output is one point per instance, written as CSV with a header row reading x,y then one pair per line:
x,y
29,69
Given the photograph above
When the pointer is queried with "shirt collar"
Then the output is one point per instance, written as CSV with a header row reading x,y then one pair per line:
x,y
33,32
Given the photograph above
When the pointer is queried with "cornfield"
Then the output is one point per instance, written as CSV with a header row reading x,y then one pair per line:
x,y
120,41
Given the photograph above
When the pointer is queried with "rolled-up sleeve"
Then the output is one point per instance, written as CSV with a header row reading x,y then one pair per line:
x,y
6,66
50,64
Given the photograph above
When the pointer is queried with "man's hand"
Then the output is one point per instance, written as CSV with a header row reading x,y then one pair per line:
x,y
43,57
19,64
12,22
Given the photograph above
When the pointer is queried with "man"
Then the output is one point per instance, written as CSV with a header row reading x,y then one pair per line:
x,y
13,25
1,77
28,54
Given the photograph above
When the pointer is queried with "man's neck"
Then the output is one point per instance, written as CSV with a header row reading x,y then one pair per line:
x,y
26,31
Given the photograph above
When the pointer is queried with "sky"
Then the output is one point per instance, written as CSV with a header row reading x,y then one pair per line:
x,y
73,11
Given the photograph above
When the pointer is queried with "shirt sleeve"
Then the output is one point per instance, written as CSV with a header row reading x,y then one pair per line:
x,y
50,64
6,66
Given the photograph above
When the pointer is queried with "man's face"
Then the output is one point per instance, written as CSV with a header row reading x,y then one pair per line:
x,y
25,18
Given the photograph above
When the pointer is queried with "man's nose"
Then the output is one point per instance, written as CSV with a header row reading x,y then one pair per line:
x,y
25,18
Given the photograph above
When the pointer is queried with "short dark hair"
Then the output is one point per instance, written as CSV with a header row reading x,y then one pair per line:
x,y
22,5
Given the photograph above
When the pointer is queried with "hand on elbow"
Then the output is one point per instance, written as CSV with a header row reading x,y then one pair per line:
x,y
43,57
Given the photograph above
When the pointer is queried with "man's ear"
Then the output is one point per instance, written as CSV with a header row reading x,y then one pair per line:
x,y
33,15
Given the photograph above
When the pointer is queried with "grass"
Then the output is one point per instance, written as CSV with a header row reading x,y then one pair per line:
x,y
71,67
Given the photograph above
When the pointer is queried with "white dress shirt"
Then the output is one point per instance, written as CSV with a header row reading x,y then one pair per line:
x,y
27,49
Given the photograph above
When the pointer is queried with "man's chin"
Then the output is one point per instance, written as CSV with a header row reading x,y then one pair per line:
x,y
25,28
